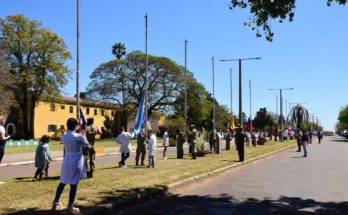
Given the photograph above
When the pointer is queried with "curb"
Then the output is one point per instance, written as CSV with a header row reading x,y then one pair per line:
x,y
109,207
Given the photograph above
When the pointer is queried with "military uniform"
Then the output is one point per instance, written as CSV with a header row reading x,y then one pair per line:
x,y
141,149
180,140
192,140
89,152
240,138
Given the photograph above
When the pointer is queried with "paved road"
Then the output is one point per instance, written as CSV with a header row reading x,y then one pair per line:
x,y
28,170
286,183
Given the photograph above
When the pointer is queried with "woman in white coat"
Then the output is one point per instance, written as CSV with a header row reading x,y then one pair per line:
x,y
165,143
125,148
73,166
152,148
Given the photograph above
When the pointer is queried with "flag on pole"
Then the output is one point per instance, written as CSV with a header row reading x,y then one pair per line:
x,y
232,125
83,122
248,125
140,116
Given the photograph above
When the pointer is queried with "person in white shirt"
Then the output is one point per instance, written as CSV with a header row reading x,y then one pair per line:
x,y
152,148
3,138
165,143
73,166
124,139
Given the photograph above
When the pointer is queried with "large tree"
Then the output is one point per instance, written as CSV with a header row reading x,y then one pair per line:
x,y
343,117
37,57
262,119
263,11
164,81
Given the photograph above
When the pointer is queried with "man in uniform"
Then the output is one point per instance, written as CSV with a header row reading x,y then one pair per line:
x,y
192,140
89,152
240,138
141,148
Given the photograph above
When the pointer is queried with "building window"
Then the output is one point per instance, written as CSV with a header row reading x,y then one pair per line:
x,y
52,128
102,112
62,127
62,107
71,109
87,111
95,111
53,107
112,113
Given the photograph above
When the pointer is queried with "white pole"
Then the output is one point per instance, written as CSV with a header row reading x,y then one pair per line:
x,y
146,75
78,63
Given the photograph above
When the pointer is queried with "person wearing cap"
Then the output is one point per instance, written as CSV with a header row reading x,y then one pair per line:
x,y
192,140
3,138
240,138
89,152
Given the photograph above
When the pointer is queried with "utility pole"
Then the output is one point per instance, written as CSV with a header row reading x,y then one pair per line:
x,y
185,87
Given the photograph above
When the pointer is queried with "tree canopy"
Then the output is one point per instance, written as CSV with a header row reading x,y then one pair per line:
x,y
263,11
37,59
343,117
109,80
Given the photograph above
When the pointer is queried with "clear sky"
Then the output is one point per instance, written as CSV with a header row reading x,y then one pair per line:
x,y
309,54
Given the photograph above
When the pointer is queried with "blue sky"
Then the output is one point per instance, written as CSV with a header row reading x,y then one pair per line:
x,y
309,54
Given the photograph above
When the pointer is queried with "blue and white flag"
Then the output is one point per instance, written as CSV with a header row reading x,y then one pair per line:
x,y
83,122
140,116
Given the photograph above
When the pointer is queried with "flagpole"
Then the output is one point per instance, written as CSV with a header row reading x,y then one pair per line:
x,y
78,63
251,119
185,86
231,93
146,75
212,59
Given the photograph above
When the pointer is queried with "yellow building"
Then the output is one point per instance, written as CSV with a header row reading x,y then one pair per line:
x,y
50,118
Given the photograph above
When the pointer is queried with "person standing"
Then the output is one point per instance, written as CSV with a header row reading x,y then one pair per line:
x,y
180,140
152,148
298,139
124,139
192,140
320,136
141,148
305,140
73,166
89,152
42,157
3,138
228,139
240,138
165,143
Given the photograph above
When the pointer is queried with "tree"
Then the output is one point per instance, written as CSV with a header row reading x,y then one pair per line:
x,y
119,50
262,119
343,117
299,116
164,81
7,81
37,58
263,11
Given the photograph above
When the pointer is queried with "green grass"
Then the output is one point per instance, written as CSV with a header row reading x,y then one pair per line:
x,y
111,183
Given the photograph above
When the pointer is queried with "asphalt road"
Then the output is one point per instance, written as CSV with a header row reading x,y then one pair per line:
x,y
286,183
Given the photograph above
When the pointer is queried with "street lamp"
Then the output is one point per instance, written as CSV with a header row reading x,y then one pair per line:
x,y
186,85
281,109
240,83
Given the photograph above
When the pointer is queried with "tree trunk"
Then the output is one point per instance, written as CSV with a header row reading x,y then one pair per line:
x,y
32,120
25,113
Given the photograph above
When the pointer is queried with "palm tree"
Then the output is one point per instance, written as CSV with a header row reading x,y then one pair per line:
x,y
119,50
298,116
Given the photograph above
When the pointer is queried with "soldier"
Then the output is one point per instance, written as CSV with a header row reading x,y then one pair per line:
x,y
192,140
240,138
180,140
89,152
228,138
141,148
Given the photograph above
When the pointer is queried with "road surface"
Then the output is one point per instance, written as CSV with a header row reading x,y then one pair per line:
x,y
286,183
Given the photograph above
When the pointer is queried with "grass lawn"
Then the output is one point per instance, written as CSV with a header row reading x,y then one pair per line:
x,y
111,183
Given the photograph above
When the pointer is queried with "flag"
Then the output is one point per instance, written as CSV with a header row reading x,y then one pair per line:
x,y
232,125
140,116
248,125
83,122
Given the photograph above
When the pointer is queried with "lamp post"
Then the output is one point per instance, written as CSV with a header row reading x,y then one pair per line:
x,y
281,109
185,119
240,83
212,60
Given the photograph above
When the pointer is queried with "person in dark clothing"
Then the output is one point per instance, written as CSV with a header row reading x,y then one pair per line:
x,y
240,138
305,140
320,136
298,139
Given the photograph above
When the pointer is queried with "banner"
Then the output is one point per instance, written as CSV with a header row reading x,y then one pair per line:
x,y
140,116
83,122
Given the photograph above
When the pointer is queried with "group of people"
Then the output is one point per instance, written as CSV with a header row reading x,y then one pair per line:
x,y
304,138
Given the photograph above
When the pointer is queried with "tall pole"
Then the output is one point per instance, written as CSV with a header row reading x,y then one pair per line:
x,y
281,115
78,62
277,106
251,119
240,94
212,59
286,111
146,75
185,86
231,92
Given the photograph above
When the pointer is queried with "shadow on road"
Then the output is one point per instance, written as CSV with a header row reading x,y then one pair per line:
x,y
225,204
340,140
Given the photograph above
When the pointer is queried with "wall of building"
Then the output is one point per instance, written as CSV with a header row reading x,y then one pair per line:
x,y
51,118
